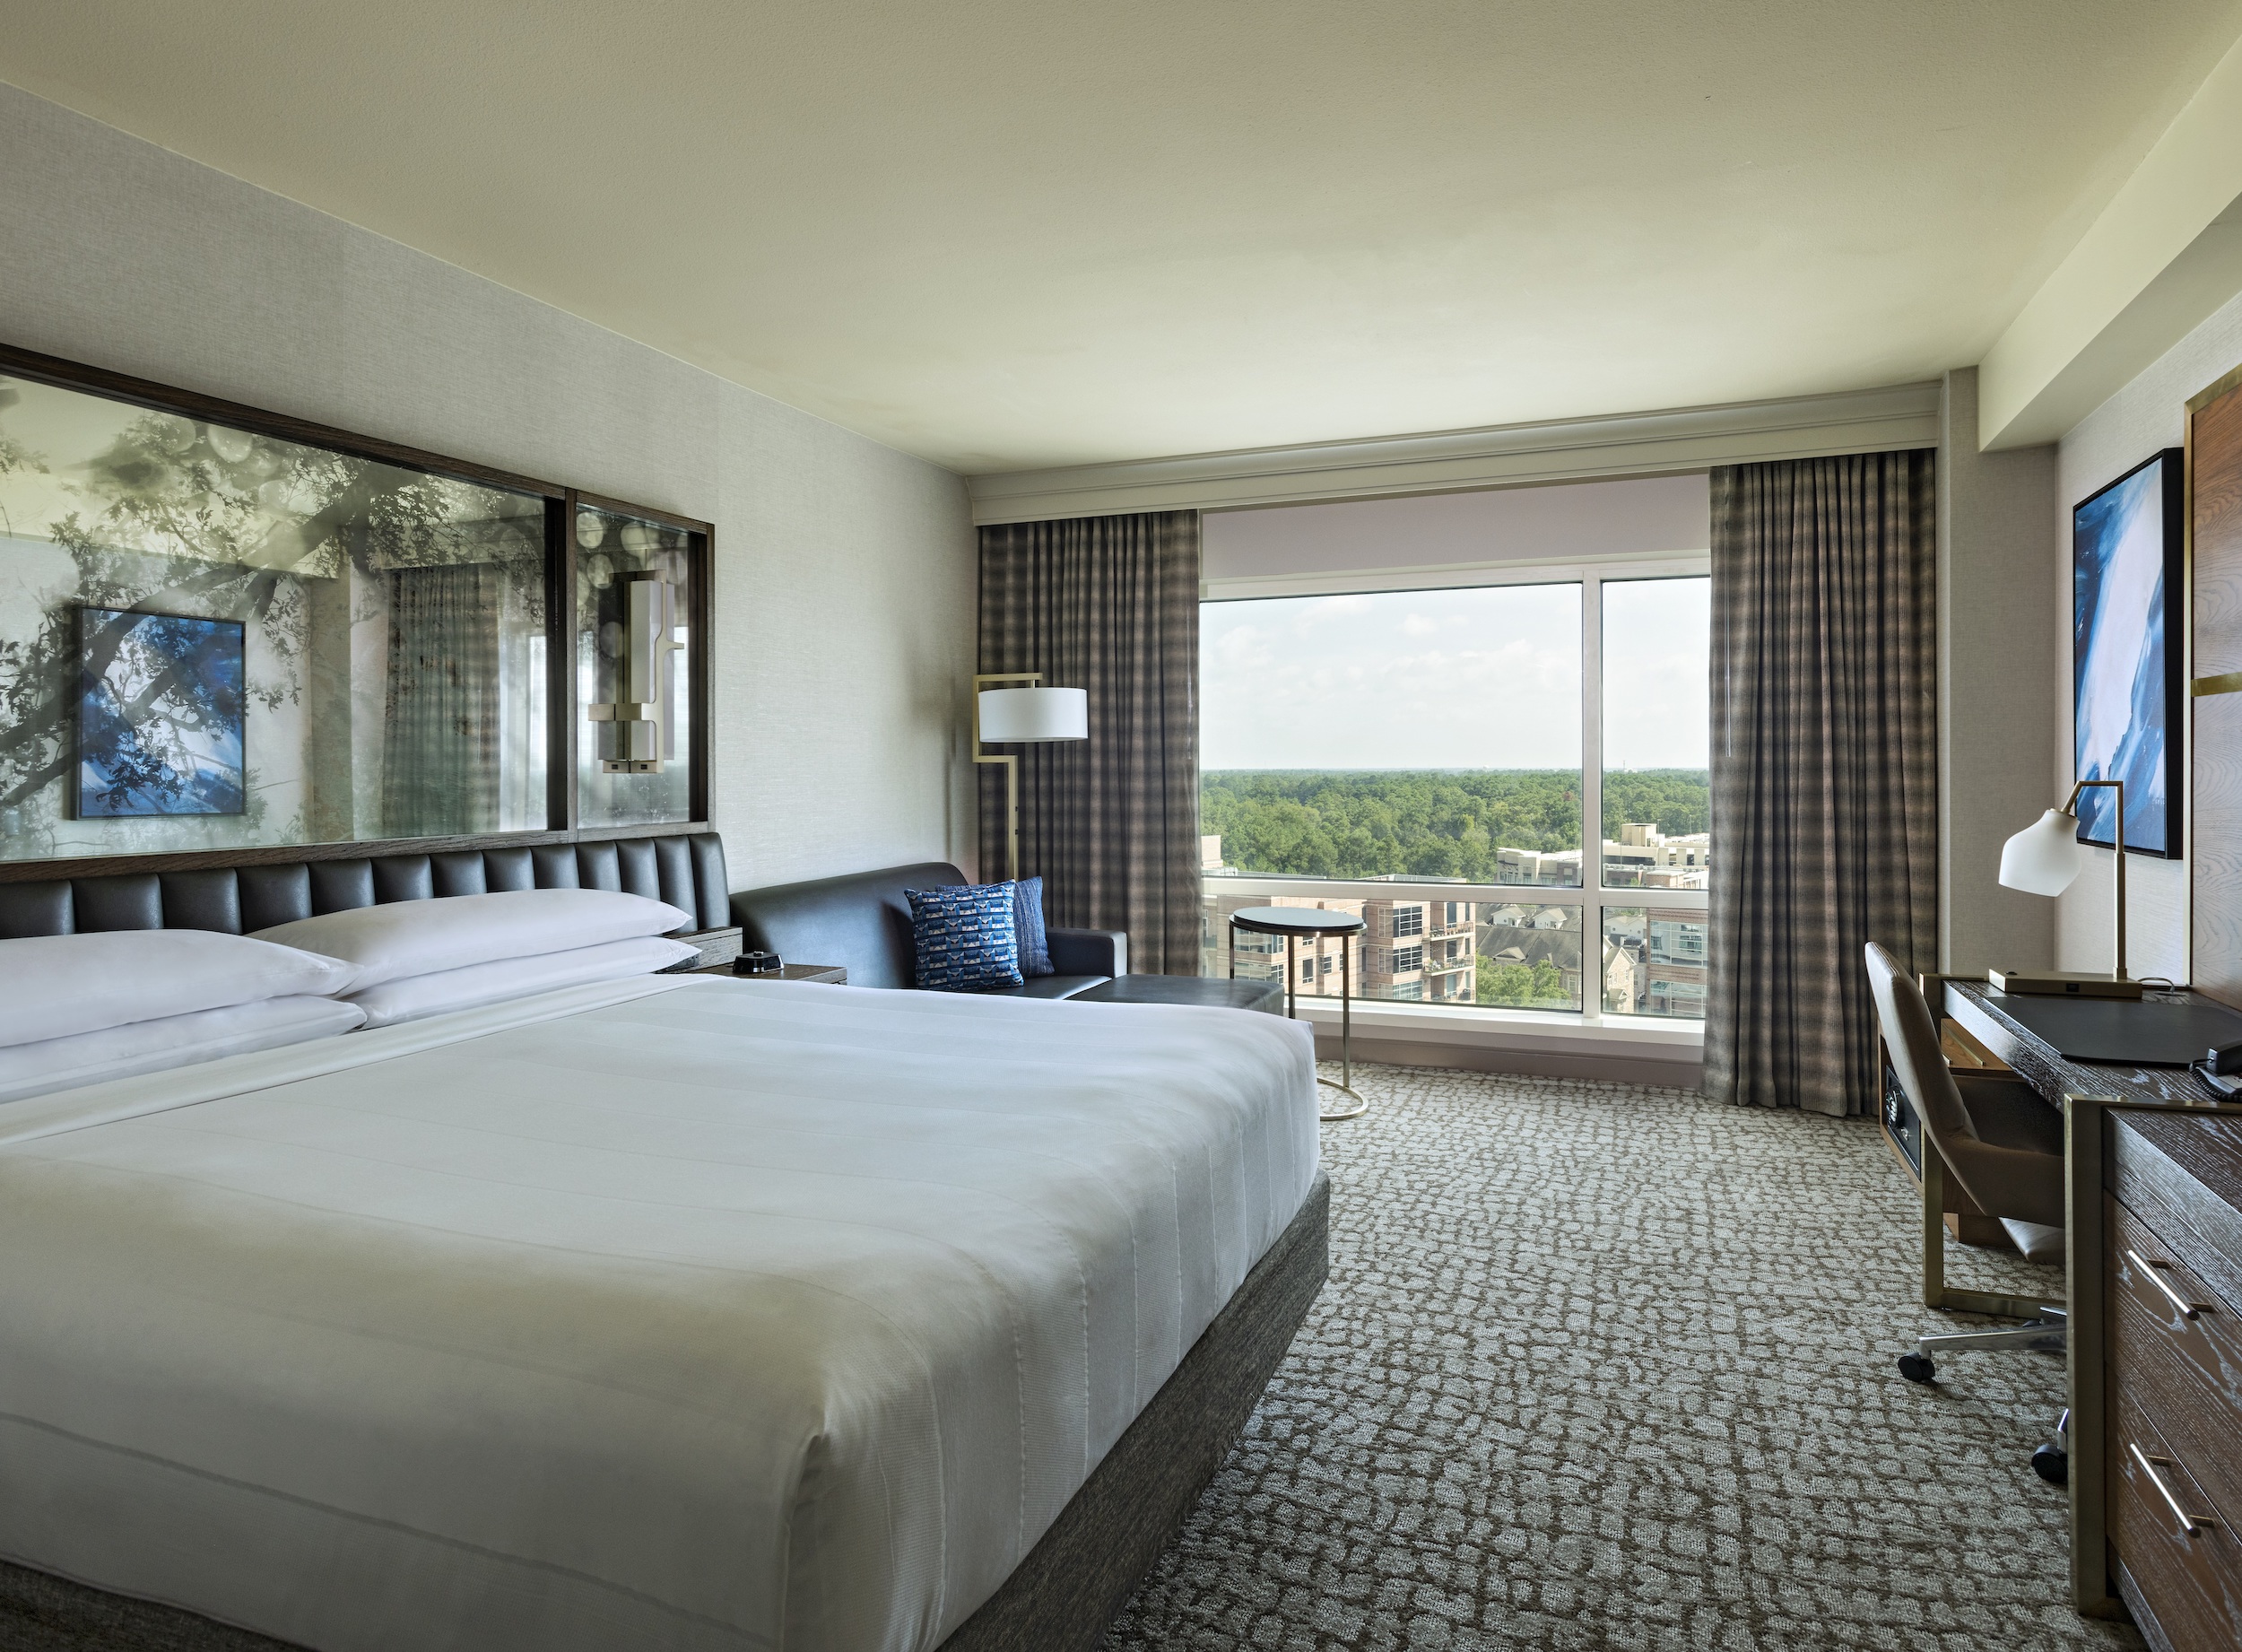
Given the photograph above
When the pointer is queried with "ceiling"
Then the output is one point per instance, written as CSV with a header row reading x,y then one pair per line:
x,y
1014,233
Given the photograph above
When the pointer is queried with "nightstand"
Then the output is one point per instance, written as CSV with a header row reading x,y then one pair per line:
x,y
832,975
717,947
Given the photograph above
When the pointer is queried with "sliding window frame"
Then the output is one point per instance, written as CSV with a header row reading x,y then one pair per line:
x,y
1590,898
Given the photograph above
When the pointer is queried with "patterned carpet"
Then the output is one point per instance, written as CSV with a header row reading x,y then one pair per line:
x,y
1609,1367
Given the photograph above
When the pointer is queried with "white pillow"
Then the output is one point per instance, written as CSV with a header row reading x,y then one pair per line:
x,y
169,1041
515,978
53,986
419,937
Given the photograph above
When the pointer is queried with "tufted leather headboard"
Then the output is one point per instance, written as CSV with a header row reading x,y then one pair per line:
x,y
687,871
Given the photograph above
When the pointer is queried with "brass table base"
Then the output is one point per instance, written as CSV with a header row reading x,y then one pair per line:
x,y
1361,1104
1345,1087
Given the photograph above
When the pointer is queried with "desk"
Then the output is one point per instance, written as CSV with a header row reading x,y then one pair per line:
x,y
2117,1120
1984,1014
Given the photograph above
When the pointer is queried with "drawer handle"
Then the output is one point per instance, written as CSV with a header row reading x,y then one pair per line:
x,y
2154,1274
2189,1524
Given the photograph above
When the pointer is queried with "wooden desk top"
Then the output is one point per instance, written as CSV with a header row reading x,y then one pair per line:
x,y
1977,1007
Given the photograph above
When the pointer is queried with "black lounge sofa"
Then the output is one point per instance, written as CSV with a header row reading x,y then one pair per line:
x,y
863,922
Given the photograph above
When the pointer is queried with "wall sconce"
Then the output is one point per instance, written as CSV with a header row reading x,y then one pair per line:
x,y
639,732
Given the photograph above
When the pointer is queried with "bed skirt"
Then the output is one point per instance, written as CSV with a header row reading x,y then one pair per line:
x,y
1062,1597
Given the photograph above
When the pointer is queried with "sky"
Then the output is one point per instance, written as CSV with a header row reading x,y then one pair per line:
x,y
1481,677
1657,674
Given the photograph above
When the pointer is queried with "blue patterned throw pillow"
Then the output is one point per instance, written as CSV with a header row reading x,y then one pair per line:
x,y
1035,947
967,937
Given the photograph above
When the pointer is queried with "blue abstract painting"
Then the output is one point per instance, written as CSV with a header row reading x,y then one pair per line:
x,y
2124,683
159,710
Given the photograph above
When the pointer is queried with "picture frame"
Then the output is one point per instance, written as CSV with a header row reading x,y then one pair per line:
x,y
2128,637
160,708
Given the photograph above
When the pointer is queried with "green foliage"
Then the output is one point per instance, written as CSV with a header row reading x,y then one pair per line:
x,y
1522,985
1428,823
1679,800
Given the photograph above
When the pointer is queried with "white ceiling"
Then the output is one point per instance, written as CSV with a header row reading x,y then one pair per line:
x,y
1009,233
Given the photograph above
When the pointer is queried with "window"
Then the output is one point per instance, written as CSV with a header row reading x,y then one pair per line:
x,y
1657,712
1403,735
1354,745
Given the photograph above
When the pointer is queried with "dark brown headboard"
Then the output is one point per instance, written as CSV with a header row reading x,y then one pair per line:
x,y
687,870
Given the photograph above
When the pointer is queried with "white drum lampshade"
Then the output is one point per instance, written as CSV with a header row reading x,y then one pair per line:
x,y
2045,857
1013,714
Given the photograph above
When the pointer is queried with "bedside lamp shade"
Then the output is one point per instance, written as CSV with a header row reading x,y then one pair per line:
x,y
1013,714
2044,858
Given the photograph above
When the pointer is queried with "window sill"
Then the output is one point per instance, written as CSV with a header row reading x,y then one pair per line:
x,y
1659,1031
1649,1049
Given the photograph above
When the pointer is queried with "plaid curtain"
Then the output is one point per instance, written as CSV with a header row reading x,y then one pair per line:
x,y
1825,768
439,770
1111,823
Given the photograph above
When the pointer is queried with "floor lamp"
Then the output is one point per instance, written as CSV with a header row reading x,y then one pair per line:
x,y
1018,717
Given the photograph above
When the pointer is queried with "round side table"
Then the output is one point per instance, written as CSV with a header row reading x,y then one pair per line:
x,y
1293,923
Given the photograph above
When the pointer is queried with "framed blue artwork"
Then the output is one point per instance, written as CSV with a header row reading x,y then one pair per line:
x,y
2127,615
159,710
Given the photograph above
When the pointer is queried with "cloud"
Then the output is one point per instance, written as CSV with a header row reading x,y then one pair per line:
x,y
1332,681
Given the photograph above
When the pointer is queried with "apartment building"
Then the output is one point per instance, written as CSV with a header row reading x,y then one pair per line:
x,y
1644,857
1409,952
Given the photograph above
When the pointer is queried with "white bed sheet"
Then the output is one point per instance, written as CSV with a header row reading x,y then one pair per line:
x,y
675,1312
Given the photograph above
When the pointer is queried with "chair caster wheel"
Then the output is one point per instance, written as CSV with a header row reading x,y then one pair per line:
x,y
2053,1465
1917,1367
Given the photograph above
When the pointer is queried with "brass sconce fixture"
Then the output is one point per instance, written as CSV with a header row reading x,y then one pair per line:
x,y
639,724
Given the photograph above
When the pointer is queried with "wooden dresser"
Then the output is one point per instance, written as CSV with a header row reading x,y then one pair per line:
x,y
2157,1374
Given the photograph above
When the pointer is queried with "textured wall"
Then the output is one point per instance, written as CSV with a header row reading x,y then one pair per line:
x,y
844,575
2149,414
1994,657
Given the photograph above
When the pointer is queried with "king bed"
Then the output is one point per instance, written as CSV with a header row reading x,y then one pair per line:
x,y
671,1312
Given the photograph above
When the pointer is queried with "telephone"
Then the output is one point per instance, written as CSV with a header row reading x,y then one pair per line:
x,y
2222,1069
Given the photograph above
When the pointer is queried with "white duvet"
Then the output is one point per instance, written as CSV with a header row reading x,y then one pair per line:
x,y
676,1313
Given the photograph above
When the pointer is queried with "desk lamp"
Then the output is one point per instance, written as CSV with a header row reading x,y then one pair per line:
x,y
2043,859
1005,715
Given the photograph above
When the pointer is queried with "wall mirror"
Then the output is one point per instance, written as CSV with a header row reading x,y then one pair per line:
x,y
221,630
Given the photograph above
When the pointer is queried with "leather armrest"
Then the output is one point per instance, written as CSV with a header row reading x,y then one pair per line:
x,y
1089,952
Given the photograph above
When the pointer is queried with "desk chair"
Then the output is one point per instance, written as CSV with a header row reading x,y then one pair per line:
x,y
2004,1145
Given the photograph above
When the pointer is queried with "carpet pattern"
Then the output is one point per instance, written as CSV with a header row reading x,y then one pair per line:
x,y
1608,1367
